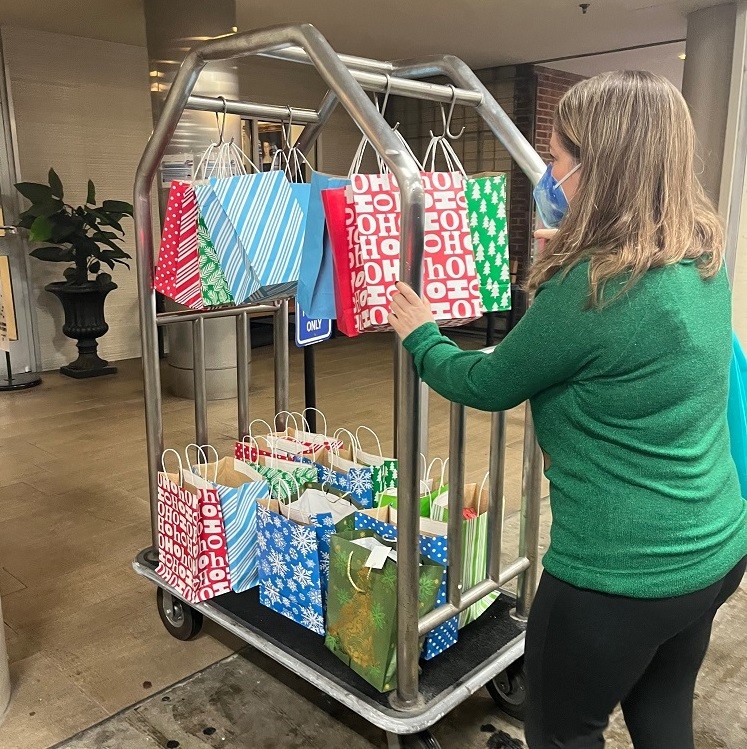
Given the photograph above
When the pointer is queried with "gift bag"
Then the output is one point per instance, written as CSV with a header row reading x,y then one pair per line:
x,y
737,412
434,547
450,281
177,274
362,605
338,469
215,291
192,551
474,543
239,488
294,554
316,293
266,214
486,205
340,218
383,470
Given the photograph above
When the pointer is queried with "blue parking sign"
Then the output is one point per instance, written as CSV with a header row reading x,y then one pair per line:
x,y
310,330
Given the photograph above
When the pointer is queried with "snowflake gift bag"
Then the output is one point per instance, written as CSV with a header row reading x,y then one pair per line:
x,y
488,223
289,569
362,605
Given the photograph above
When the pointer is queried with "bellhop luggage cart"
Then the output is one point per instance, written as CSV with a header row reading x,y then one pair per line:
x,y
489,651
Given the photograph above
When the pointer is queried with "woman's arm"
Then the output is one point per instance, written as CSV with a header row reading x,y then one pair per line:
x,y
553,340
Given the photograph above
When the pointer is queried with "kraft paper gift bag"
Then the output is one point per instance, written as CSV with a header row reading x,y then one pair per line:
x,y
362,605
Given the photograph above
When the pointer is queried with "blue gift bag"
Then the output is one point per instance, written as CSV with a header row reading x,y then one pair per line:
x,y
435,549
316,292
290,574
239,506
232,257
268,215
737,412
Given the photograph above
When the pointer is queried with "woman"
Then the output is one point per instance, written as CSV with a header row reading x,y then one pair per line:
x,y
624,356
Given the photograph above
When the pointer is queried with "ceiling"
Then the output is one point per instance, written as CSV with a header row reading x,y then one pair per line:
x,y
483,32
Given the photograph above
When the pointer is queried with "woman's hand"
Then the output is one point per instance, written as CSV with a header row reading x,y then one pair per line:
x,y
545,233
408,311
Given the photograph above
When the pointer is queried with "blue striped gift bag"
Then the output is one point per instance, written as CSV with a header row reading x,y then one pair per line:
x,y
239,488
239,507
231,254
268,214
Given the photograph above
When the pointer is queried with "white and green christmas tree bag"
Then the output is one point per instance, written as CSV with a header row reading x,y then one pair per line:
x,y
488,222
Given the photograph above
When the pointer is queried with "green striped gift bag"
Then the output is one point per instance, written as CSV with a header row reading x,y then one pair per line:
x,y
474,543
214,287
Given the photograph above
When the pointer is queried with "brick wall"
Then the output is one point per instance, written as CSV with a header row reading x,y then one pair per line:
x,y
536,95
550,87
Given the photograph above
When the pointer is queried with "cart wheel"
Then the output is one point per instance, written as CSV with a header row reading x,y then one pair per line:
x,y
508,689
182,621
422,740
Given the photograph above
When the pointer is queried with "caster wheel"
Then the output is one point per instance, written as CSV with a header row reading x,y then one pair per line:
x,y
508,689
422,740
181,621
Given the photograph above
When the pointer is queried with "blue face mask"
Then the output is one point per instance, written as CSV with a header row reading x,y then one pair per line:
x,y
552,204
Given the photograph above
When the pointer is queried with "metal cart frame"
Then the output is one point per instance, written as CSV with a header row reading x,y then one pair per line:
x,y
348,77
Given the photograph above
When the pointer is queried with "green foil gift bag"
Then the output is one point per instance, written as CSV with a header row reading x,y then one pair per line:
x,y
362,604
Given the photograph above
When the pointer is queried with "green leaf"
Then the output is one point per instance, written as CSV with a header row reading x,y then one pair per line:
x,y
117,206
41,230
46,208
91,199
108,262
95,266
104,278
105,219
117,252
64,227
55,184
102,239
120,262
35,192
53,254
70,274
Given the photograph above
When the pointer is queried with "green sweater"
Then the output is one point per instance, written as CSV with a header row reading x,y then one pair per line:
x,y
629,403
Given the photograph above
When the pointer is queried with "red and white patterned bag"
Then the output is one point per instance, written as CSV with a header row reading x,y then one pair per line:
x,y
192,551
450,281
177,273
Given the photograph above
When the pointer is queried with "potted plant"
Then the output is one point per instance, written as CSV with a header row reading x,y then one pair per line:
x,y
86,236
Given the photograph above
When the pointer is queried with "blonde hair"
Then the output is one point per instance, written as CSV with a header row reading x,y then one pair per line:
x,y
639,203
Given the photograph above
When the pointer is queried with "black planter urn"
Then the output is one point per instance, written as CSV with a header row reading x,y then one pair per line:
x,y
84,321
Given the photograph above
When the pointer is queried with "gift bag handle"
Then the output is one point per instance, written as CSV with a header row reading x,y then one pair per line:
x,y
291,415
321,413
179,460
353,443
375,436
350,576
251,440
202,451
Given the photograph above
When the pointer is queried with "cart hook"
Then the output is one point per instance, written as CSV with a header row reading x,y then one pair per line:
x,y
447,119
221,124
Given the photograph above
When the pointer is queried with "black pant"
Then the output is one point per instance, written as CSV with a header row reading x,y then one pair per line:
x,y
587,652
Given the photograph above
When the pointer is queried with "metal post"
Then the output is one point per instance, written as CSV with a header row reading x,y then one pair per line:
x,y
497,500
198,371
531,490
243,371
457,429
423,421
309,385
282,373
